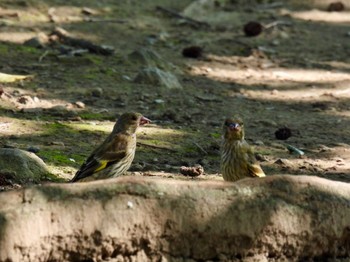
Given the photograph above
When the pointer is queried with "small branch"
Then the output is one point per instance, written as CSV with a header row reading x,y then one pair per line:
x,y
200,148
65,38
277,23
177,15
43,56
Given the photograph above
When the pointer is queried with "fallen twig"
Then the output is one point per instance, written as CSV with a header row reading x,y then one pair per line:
x,y
65,38
43,56
98,20
200,148
277,23
177,15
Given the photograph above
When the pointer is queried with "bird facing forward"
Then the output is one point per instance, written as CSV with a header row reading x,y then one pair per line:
x,y
237,157
115,155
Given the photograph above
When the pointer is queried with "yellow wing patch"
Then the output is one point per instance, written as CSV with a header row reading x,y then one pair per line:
x,y
103,165
256,170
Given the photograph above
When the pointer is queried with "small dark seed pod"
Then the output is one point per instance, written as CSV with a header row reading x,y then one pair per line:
x,y
192,52
253,28
283,133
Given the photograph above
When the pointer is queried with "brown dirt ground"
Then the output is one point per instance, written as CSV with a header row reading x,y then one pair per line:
x,y
299,78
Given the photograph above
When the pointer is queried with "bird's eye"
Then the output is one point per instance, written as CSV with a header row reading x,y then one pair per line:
x,y
134,117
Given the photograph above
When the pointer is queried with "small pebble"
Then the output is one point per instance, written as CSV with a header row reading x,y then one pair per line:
x,y
56,143
283,161
80,104
159,101
33,149
97,92
259,143
130,204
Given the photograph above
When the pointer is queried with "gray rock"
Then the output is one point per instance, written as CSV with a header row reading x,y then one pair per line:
x,y
39,41
97,92
80,104
26,166
145,57
33,149
156,76
291,218
283,162
208,11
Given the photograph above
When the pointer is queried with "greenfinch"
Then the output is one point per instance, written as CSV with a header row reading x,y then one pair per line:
x,y
115,155
237,157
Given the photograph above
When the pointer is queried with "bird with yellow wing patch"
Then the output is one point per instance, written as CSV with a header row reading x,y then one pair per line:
x,y
115,155
237,157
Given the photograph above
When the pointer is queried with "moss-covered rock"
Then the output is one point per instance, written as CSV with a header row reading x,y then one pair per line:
x,y
25,166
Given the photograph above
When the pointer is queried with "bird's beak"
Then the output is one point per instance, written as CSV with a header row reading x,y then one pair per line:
x,y
144,120
234,126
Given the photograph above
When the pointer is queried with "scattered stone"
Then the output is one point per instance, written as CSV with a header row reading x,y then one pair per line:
x,y
89,11
33,149
206,13
192,171
261,158
159,101
146,57
208,98
283,133
26,166
156,76
56,143
130,204
128,78
75,118
324,148
97,92
79,104
283,162
39,41
193,52
252,28
258,143
336,7
274,92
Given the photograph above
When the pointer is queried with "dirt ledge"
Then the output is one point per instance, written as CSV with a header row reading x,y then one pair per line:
x,y
147,219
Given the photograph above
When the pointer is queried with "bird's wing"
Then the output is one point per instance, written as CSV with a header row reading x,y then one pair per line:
x,y
111,151
254,168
